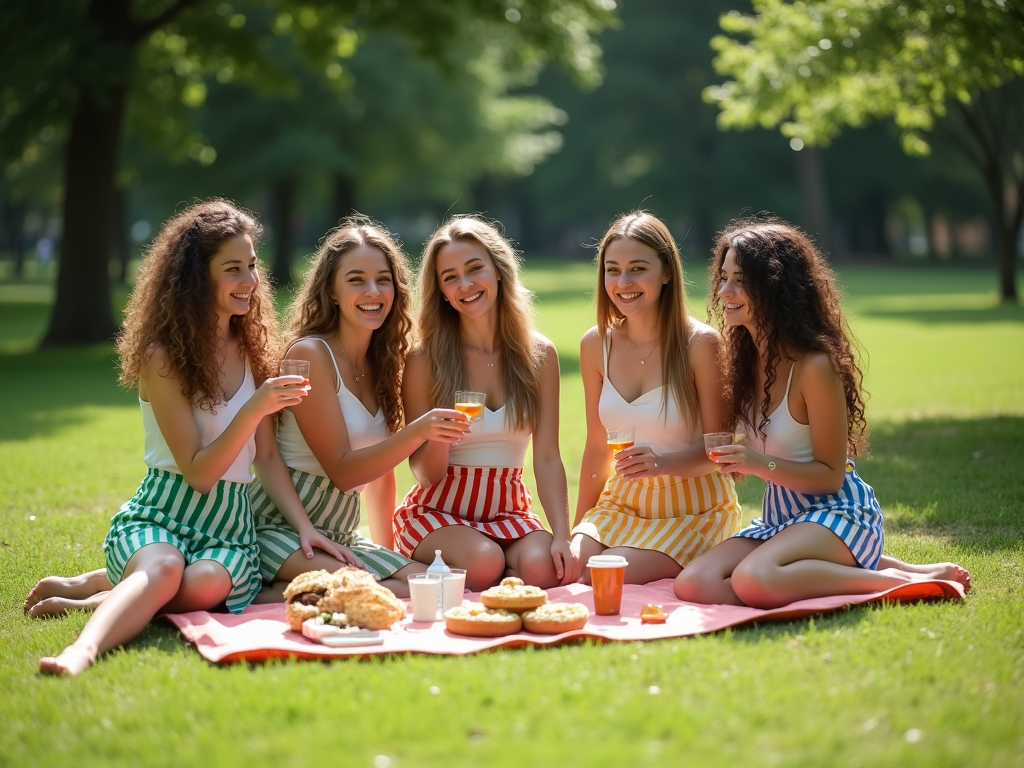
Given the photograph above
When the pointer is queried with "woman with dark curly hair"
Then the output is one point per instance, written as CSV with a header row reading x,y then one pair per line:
x,y
199,342
351,320
792,378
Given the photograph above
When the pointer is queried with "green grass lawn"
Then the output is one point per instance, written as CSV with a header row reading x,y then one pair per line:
x,y
928,684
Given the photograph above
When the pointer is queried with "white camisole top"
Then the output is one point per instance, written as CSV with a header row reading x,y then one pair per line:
x,y
364,429
784,436
211,426
491,444
664,435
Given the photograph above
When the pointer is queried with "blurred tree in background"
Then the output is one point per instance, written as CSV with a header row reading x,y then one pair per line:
x,y
79,67
954,73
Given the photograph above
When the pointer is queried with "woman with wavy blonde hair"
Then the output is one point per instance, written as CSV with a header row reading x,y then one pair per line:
x,y
199,343
476,334
648,365
351,320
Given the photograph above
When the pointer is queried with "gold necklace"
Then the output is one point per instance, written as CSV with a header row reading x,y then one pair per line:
x,y
358,376
489,364
642,360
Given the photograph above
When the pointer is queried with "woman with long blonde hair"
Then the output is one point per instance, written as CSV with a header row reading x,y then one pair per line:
x,y
476,334
351,320
648,365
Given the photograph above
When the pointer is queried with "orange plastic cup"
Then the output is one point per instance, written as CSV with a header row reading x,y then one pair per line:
x,y
607,575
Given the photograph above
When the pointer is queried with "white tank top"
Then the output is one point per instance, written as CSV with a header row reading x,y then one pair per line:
x,y
491,444
784,436
211,426
364,428
664,435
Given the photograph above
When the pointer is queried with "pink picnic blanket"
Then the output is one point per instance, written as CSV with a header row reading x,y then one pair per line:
x,y
261,632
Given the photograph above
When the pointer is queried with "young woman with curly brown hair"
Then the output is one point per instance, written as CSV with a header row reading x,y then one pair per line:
x,y
351,320
793,380
199,342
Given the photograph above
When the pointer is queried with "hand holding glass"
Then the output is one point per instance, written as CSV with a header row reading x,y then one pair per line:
x,y
470,403
295,368
713,440
620,438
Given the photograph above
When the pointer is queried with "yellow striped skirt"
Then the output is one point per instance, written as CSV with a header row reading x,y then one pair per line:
x,y
680,516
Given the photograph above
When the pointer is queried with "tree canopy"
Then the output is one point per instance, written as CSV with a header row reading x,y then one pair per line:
x,y
940,71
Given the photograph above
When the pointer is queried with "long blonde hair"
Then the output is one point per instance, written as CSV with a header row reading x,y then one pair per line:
x,y
674,323
313,313
438,326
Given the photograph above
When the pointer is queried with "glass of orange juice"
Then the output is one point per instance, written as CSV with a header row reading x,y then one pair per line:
x,y
715,440
471,404
620,438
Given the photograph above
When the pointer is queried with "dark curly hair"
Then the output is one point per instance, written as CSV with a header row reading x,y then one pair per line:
x,y
313,313
172,305
796,307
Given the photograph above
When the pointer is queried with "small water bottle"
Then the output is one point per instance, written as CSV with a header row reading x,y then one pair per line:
x,y
441,569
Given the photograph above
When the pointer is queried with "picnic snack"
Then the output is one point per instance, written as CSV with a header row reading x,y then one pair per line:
x,y
513,595
554,618
476,620
652,614
347,597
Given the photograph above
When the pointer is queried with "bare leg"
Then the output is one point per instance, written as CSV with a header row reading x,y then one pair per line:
x,y
465,547
586,547
399,581
807,560
152,578
73,588
204,585
646,565
295,564
941,571
707,578
529,558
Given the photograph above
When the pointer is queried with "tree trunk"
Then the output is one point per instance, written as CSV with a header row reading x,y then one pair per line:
x,y
814,196
344,196
1006,250
82,312
283,206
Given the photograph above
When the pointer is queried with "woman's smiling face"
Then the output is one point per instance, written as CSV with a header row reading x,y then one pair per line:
x,y
735,301
234,276
467,277
364,287
633,275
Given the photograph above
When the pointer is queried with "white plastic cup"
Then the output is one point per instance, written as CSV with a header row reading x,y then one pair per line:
x,y
425,594
453,586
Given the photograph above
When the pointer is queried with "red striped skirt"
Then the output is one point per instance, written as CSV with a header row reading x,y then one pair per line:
x,y
492,500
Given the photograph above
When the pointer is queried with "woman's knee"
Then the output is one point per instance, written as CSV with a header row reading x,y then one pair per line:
x,y
206,581
485,564
697,584
752,581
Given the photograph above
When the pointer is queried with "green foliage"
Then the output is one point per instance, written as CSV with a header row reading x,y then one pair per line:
x,y
815,66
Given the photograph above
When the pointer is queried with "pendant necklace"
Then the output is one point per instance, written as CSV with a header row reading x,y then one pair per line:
x,y
643,360
488,363
358,376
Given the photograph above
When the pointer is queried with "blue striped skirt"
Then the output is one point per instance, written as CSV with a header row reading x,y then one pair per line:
x,y
852,514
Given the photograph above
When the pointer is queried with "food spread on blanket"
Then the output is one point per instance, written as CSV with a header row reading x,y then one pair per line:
x,y
347,598
652,613
498,613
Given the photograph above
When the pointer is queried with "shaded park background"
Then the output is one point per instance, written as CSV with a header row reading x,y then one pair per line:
x,y
549,115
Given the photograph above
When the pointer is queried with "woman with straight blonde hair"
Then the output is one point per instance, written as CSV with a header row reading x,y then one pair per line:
x,y
648,365
476,334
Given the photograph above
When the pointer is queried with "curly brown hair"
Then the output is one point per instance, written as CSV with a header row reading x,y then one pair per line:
x,y
796,304
171,305
313,313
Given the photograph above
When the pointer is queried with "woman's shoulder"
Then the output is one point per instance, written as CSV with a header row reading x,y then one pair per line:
x,y
815,368
702,333
545,347
308,345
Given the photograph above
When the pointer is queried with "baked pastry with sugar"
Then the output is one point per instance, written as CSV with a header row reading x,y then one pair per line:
x,y
477,620
555,618
347,591
513,595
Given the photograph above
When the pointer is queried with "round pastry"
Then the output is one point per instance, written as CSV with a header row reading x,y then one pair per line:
x,y
476,620
513,595
374,608
555,618
296,613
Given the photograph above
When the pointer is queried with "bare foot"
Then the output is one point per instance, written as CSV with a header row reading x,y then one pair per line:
x,y
58,606
951,572
72,661
71,587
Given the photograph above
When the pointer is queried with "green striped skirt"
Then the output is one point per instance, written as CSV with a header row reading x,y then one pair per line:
x,y
214,526
333,512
